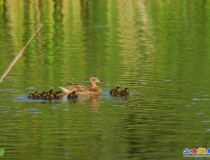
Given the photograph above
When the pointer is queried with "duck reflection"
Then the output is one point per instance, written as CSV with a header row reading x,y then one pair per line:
x,y
95,104
94,101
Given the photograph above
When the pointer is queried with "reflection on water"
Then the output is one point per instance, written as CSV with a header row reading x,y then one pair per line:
x,y
160,52
2,152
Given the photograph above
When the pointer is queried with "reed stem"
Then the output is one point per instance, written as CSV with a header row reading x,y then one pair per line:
x,y
19,55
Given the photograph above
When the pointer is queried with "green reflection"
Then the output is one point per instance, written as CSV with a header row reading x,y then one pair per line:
x,y
159,49
2,151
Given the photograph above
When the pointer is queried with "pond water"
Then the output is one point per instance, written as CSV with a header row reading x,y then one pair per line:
x,y
159,49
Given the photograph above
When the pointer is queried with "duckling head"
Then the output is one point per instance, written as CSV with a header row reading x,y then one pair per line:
x,y
126,90
118,88
57,92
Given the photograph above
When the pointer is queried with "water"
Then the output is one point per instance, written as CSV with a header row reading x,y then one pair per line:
x,y
160,50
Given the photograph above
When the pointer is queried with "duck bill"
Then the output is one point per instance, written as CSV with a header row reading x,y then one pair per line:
x,y
102,82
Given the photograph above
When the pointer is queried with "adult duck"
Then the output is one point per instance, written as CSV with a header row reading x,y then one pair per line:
x,y
81,90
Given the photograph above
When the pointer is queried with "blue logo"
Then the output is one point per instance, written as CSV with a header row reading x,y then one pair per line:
x,y
187,151
208,151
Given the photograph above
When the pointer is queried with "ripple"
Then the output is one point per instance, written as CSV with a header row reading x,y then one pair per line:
x,y
101,26
200,99
4,109
200,113
206,121
168,80
33,111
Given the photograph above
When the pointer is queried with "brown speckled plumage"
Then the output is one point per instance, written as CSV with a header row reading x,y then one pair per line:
x,y
81,90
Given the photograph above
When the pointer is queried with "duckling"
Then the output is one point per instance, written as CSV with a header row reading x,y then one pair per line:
x,y
58,95
72,95
43,95
124,92
36,95
39,96
115,92
50,95
32,95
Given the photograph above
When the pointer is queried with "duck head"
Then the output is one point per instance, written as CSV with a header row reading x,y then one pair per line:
x,y
95,79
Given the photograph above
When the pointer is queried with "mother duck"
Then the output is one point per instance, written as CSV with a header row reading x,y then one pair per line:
x,y
81,90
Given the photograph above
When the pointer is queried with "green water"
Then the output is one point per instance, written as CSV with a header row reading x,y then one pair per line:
x,y
159,49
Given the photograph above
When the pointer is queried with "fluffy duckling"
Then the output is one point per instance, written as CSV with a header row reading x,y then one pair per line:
x,y
39,96
115,92
50,95
72,95
33,95
58,95
124,92
43,95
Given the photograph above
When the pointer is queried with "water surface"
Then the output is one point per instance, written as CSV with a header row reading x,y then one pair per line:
x,y
160,50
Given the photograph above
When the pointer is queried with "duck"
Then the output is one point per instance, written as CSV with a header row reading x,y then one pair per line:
x,y
72,95
33,95
58,95
124,92
81,90
38,96
43,95
50,95
115,92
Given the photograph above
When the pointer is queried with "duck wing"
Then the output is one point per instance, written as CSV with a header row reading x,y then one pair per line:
x,y
86,92
75,87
